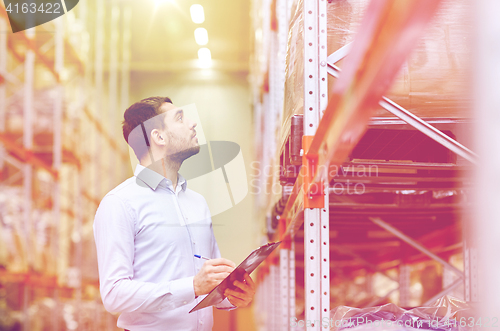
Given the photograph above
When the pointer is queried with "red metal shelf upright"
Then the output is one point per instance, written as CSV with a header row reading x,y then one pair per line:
x,y
51,139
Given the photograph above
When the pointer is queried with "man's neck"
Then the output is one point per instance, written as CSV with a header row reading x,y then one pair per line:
x,y
166,167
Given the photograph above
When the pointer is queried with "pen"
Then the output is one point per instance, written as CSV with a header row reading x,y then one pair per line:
x,y
201,257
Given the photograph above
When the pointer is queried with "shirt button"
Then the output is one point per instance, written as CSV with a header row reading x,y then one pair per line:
x,y
185,302
201,322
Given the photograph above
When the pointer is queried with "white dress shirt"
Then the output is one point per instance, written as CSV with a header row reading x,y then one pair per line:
x,y
146,237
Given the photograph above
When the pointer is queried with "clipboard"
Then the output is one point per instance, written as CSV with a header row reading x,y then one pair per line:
x,y
248,265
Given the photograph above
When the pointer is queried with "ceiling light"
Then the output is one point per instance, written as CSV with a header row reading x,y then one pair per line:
x,y
201,36
197,14
205,57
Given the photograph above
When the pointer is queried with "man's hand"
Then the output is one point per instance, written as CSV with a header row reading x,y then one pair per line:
x,y
211,274
243,295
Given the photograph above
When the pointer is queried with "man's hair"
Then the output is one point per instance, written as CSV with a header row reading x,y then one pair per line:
x,y
139,120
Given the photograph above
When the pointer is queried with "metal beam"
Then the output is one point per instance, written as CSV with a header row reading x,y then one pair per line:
x,y
339,54
417,122
360,259
428,130
415,244
447,290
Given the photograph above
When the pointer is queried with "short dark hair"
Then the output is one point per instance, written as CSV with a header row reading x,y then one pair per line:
x,y
137,123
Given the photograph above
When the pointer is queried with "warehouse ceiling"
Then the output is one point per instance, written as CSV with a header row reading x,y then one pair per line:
x,y
163,35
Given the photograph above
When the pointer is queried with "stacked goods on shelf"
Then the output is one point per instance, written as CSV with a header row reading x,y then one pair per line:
x,y
343,19
39,99
88,315
13,246
267,68
294,71
55,138
432,82
416,184
43,115
404,226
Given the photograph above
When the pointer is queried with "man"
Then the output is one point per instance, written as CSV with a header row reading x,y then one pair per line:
x,y
149,229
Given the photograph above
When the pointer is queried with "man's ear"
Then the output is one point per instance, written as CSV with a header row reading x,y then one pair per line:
x,y
157,137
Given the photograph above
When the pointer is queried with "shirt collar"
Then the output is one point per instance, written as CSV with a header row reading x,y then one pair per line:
x,y
154,179
181,181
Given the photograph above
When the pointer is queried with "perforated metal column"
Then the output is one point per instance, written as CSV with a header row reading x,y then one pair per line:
x,y
113,87
312,257
282,13
316,222
266,302
471,273
3,69
325,262
98,95
404,285
291,294
28,113
275,298
285,288
58,247
125,63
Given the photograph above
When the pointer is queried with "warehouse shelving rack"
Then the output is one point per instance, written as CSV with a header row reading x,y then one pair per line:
x,y
64,168
330,133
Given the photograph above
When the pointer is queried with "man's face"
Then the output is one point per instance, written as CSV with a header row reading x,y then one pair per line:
x,y
179,133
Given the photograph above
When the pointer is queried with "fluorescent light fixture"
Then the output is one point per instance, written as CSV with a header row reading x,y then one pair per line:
x,y
201,36
204,57
197,14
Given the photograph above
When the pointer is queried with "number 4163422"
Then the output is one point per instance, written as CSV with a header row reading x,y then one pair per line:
x,y
25,8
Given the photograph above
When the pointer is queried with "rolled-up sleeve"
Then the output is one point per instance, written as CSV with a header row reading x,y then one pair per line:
x,y
114,232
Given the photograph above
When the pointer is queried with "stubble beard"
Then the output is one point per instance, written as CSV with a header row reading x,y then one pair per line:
x,y
184,154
